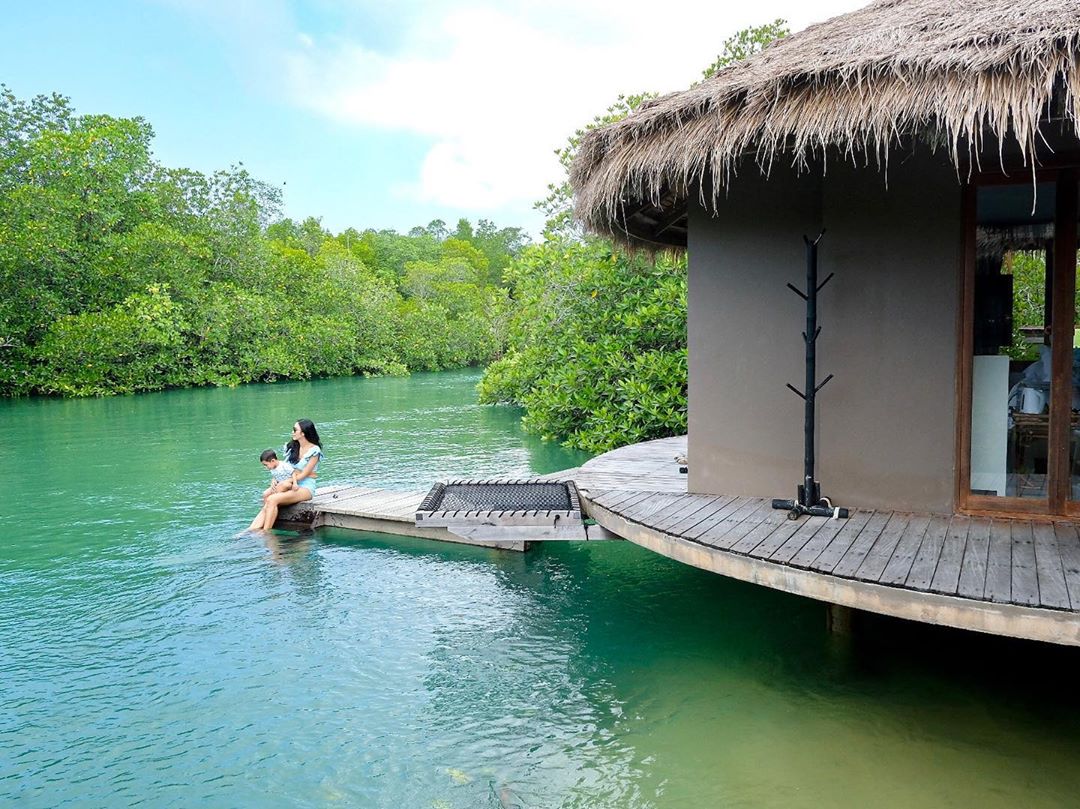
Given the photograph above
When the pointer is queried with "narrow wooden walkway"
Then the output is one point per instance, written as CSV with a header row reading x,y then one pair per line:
x,y
358,501
1013,577
383,511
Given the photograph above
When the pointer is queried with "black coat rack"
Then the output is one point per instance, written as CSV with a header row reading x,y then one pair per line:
x,y
809,499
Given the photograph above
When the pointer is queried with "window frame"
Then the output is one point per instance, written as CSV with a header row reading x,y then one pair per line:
x,y
1063,322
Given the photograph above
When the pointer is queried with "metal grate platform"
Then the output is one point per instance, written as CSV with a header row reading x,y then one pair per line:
x,y
513,510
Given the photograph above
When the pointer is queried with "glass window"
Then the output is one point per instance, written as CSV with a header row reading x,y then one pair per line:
x,y
1011,384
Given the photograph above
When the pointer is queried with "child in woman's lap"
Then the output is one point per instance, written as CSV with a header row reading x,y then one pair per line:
x,y
281,473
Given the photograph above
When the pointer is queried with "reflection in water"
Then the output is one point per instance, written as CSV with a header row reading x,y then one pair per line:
x,y
150,655
285,547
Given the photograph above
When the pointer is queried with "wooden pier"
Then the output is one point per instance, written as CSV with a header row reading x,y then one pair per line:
x,y
1014,577
384,511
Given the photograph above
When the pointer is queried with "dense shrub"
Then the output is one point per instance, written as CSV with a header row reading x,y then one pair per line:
x,y
128,347
119,275
597,350
598,342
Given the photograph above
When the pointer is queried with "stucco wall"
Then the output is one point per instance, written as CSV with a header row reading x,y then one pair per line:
x,y
887,421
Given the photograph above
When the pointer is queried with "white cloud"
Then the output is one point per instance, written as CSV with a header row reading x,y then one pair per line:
x,y
497,88
496,100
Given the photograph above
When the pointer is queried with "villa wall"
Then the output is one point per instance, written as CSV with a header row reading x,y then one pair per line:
x,y
887,421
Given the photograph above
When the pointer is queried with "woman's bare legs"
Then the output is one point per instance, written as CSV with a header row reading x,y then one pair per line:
x,y
260,518
273,502
257,523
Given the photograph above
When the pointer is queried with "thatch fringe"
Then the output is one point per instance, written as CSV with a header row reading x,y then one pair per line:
x,y
951,69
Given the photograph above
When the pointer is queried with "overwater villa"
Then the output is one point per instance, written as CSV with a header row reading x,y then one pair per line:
x,y
911,171
936,145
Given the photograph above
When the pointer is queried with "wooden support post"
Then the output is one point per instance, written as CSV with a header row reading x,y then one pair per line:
x,y
838,619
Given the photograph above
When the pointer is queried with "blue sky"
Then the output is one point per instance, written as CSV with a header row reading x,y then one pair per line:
x,y
373,114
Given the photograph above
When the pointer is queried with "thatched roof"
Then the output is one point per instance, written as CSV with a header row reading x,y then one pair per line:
x,y
858,83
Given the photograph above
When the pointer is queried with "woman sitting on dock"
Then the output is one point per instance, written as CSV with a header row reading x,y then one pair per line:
x,y
304,453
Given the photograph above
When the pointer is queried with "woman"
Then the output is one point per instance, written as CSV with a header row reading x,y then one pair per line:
x,y
303,452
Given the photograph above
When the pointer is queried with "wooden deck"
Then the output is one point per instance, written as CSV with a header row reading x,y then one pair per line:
x,y
388,511
1005,576
1019,578
383,511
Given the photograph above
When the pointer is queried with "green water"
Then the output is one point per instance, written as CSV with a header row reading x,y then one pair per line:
x,y
150,657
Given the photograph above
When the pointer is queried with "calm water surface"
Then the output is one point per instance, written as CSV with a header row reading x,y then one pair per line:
x,y
148,656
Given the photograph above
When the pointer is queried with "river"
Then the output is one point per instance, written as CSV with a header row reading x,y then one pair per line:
x,y
150,656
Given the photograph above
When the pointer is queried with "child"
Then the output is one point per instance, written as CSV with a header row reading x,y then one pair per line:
x,y
281,473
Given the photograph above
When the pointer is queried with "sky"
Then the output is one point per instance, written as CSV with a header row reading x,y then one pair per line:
x,y
374,114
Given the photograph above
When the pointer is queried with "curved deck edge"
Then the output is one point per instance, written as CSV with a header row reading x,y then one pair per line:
x,y
1011,620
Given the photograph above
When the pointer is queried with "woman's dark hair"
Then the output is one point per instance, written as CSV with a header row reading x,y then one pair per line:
x,y
292,449
308,429
268,455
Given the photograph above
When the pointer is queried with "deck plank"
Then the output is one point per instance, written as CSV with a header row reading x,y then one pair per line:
x,y
644,509
828,559
708,524
976,553
343,495
738,524
693,504
855,554
416,498
903,557
1052,590
999,563
369,498
370,501
628,499
782,534
770,534
808,553
878,558
947,575
714,505
1025,582
810,528
922,569
747,508
395,499
608,498
376,507
1069,547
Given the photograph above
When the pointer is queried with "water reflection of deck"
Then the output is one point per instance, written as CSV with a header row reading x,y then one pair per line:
x,y
1012,577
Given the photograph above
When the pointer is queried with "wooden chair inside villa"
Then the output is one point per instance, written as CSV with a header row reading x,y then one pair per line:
x,y
1028,446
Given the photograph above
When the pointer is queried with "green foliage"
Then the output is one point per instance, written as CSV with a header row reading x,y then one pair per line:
x,y
558,205
597,346
597,340
122,349
391,251
119,275
499,245
745,43
1028,270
